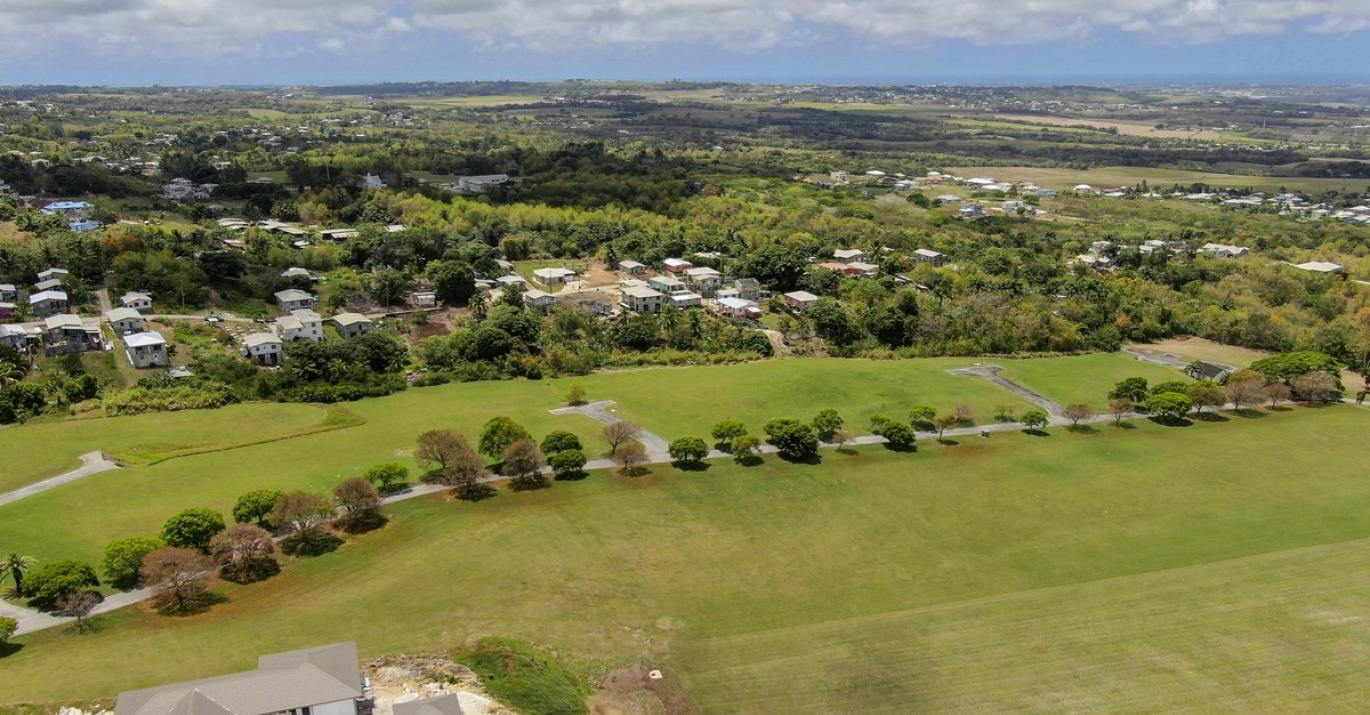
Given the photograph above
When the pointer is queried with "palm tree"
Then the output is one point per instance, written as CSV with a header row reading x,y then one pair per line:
x,y
16,565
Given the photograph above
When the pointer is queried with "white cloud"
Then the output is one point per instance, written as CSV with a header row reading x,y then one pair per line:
x,y
235,26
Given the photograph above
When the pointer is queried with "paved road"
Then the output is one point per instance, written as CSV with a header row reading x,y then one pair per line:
x,y
991,373
658,449
91,463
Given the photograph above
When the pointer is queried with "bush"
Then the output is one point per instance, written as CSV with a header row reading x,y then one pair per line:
x,y
54,581
726,431
524,678
745,448
560,441
898,436
793,439
567,464
310,542
124,558
255,506
1170,405
7,628
192,529
921,418
690,450
138,400
388,477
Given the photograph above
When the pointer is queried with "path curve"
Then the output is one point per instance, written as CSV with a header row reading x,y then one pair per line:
x,y
991,373
91,463
658,449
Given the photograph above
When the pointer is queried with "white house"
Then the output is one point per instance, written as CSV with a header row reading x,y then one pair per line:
x,y
666,284
371,182
264,348
294,299
800,300
146,349
1320,267
136,300
738,308
686,299
632,268
9,292
515,281
297,272
424,299
927,255
641,299
677,265
482,183
863,270
704,279
352,325
971,211
1222,250
847,255
48,302
553,276
124,320
539,300
301,324
68,333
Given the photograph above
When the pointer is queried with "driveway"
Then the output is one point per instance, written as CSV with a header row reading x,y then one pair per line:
x,y
91,463
991,373
658,449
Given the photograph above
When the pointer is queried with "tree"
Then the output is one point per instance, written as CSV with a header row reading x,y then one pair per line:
x,y
963,413
78,605
1121,407
898,436
726,431
1287,366
523,461
1035,420
745,448
630,455
1169,405
943,422
1206,394
1077,412
1005,413
842,436
1277,392
567,463
192,529
1245,391
922,418
389,287
466,472
498,434
1317,386
826,424
8,627
560,441
180,578
1132,388
454,282
255,506
793,439
619,432
300,511
436,448
576,394
124,558
388,477
50,583
16,566
243,553
361,505
688,450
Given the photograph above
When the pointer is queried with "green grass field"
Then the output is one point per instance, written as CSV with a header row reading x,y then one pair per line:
x,y
1084,379
672,402
1209,568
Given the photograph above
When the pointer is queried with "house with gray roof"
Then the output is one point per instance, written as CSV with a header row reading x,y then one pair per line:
x,y
317,681
352,325
294,299
124,320
146,349
447,704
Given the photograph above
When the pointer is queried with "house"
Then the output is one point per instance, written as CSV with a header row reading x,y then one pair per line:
x,y
53,274
67,333
1083,189
294,299
945,199
514,281
553,276
704,279
22,336
70,209
49,284
738,308
9,292
1221,250
971,211
641,299
297,272
339,234
124,320
448,704
48,302
146,349
314,681
301,324
264,348
7,310
136,300
800,300
666,284
352,325
847,255
677,265
748,288
425,298
1312,266
1201,370
686,299
538,300
371,182
632,268
926,255
860,269
83,226
482,183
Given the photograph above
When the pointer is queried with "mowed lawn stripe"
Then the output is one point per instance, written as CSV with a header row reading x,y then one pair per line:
x,y
612,570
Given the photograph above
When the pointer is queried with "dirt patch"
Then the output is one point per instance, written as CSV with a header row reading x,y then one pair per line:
x,y
403,678
440,322
599,276
634,691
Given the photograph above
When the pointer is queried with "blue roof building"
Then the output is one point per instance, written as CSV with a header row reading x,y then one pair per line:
x,y
83,226
67,207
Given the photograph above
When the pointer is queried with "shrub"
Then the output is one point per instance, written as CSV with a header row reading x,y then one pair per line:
x,y
745,448
54,581
560,441
388,477
192,529
567,464
1170,405
255,506
793,439
310,542
8,626
921,418
524,678
898,436
124,558
726,431
688,450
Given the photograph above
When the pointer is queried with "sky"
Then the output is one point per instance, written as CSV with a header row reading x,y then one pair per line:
x,y
301,42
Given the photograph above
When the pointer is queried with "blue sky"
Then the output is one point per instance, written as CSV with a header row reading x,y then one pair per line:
x,y
180,42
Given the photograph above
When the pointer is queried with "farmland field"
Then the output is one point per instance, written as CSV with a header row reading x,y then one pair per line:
x,y
1216,567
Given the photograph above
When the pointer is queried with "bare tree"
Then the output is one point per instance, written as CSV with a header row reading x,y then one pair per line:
x,y
1244,392
630,455
466,472
437,448
1120,407
963,413
301,511
523,460
180,578
617,433
243,553
1320,386
840,437
943,422
78,605
1277,392
1077,412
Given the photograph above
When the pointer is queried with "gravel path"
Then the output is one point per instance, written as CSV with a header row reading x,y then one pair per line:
x,y
991,373
91,463
604,411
